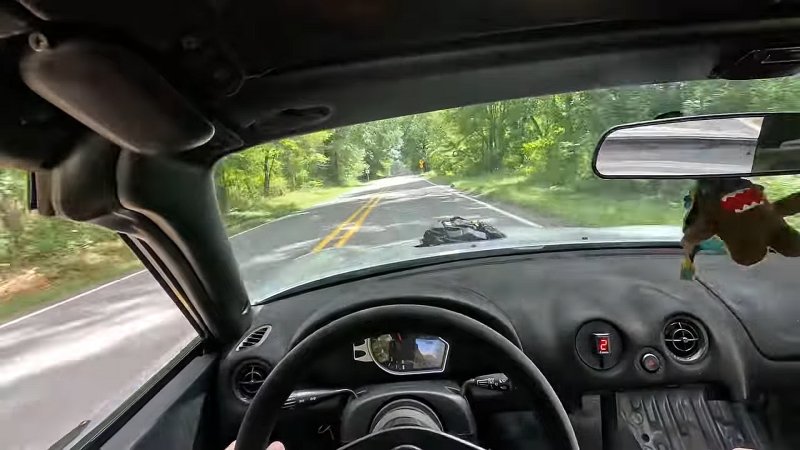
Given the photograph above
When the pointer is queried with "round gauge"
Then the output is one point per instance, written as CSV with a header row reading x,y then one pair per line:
x,y
400,353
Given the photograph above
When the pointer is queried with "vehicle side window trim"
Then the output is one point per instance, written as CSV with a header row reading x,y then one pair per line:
x,y
111,424
167,281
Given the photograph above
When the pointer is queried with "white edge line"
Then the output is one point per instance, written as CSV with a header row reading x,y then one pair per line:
x,y
454,191
492,207
35,313
110,283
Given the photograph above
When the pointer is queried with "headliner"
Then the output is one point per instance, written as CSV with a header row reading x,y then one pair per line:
x,y
267,69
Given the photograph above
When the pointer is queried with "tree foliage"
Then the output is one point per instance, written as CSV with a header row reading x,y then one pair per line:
x,y
549,140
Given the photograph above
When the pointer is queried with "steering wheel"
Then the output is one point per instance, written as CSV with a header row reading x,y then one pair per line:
x,y
261,416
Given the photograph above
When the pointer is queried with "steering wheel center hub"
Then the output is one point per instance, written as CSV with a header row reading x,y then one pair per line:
x,y
406,413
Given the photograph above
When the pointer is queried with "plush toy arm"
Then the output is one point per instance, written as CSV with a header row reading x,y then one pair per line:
x,y
786,241
700,230
788,205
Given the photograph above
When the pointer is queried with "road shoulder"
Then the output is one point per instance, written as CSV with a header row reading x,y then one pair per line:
x,y
526,214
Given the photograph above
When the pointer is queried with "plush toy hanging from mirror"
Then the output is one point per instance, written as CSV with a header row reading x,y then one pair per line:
x,y
739,213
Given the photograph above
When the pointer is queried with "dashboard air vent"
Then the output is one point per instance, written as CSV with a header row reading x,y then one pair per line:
x,y
255,337
685,339
248,378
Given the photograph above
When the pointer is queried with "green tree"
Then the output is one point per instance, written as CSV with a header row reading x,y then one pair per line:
x,y
345,155
420,135
382,141
12,210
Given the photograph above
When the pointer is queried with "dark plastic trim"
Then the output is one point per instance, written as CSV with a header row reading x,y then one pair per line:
x,y
113,423
459,257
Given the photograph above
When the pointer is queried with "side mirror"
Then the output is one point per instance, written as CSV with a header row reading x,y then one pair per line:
x,y
725,145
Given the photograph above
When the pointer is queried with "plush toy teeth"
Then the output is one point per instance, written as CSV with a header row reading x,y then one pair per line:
x,y
733,194
749,207
742,200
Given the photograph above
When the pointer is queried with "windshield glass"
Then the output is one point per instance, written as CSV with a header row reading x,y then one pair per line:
x,y
507,174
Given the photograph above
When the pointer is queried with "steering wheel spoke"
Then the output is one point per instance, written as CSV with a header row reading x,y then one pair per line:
x,y
410,438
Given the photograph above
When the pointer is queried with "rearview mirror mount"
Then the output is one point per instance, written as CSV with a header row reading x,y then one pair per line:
x,y
711,146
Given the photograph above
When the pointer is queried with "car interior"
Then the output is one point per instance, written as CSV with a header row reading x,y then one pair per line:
x,y
120,111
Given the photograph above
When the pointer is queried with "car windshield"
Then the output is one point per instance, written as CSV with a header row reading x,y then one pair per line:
x,y
509,174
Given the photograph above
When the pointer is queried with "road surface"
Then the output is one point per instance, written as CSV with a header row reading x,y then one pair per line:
x,y
81,358
714,146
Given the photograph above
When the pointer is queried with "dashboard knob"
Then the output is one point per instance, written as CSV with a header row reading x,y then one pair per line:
x,y
651,362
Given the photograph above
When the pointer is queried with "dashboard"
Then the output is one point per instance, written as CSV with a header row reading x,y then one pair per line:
x,y
593,321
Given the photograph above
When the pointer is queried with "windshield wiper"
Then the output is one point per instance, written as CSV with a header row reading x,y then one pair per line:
x,y
456,230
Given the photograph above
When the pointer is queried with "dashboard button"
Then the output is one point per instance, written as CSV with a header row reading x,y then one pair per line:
x,y
650,362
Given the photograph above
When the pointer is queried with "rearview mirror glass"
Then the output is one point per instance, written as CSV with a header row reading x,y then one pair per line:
x,y
701,147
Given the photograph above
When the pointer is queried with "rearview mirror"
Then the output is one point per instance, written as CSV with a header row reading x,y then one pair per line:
x,y
701,147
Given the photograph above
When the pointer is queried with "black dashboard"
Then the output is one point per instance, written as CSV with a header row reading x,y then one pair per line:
x,y
592,321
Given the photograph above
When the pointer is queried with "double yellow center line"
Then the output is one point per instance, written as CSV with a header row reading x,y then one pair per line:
x,y
354,221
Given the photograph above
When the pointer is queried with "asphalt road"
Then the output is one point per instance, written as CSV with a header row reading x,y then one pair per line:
x,y
722,146
81,358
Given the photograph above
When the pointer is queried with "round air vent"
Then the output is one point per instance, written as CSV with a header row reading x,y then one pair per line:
x,y
248,378
685,339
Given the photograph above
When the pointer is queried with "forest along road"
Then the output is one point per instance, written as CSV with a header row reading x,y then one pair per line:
x,y
81,358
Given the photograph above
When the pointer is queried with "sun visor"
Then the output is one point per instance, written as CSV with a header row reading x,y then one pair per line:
x,y
115,93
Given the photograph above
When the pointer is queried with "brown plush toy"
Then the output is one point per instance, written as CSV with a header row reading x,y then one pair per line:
x,y
738,211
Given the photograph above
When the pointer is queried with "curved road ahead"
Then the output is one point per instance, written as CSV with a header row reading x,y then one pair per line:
x,y
81,358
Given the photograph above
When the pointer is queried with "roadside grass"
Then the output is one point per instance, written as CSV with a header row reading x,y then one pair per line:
x,y
67,278
57,274
48,280
572,206
599,203
263,211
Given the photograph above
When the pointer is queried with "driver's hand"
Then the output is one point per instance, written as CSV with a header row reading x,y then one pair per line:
x,y
277,445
